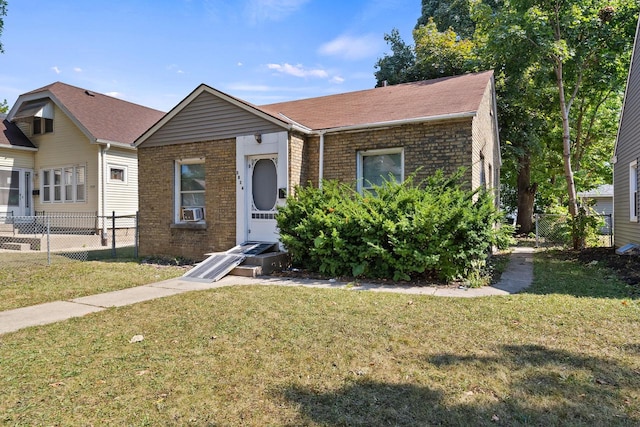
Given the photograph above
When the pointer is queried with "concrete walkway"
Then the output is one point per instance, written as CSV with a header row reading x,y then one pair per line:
x,y
517,276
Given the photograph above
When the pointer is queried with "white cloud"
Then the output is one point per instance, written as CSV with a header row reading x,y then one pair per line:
x,y
239,64
174,68
56,69
298,70
352,48
77,69
337,79
272,10
115,94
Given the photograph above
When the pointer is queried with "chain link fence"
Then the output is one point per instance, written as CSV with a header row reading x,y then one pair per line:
x,y
48,238
555,230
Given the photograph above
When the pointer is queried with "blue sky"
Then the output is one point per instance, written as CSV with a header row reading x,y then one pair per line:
x,y
155,52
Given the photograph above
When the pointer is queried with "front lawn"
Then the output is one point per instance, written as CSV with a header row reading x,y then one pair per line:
x,y
268,355
31,284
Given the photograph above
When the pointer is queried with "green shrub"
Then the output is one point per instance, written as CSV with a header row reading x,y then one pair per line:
x,y
396,231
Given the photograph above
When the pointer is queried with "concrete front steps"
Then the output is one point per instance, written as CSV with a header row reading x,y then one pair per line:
x,y
261,264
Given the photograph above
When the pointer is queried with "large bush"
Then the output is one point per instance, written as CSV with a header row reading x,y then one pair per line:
x,y
396,231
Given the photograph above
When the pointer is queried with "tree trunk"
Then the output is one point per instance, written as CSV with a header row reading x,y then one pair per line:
x,y
578,242
526,196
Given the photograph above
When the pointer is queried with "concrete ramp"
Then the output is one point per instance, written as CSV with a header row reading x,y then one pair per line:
x,y
220,264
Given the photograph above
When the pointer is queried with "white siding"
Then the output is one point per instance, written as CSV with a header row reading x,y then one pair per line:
x,y
67,146
209,118
122,197
627,151
16,158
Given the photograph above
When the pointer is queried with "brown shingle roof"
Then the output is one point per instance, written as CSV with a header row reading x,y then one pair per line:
x,y
429,98
104,117
11,136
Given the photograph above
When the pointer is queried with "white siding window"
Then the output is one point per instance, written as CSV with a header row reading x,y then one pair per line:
x,y
376,166
633,191
118,174
63,185
190,190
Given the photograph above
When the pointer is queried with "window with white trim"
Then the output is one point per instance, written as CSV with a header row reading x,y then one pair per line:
x,y
190,190
63,185
374,167
118,174
633,191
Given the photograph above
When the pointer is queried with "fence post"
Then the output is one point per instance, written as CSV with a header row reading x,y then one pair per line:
x,y
535,217
135,235
113,234
48,240
610,220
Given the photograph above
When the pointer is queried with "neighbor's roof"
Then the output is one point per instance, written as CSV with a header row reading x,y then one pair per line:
x,y
605,190
11,136
103,118
425,99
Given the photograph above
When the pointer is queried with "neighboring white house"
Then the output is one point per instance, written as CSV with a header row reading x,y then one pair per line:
x,y
67,149
600,201
601,197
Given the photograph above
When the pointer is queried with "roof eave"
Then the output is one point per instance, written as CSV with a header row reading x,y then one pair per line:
x,y
114,143
19,147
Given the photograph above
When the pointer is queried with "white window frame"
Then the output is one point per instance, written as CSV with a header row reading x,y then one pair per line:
x,y
125,173
64,186
177,191
361,185
633,191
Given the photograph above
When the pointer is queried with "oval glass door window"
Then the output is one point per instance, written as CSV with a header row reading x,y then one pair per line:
x,y
264,185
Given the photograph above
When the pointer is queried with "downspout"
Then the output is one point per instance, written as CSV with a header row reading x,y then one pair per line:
x,y
321,161
103,191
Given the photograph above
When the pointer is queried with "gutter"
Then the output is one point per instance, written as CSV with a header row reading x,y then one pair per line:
x,y
103,191
18,147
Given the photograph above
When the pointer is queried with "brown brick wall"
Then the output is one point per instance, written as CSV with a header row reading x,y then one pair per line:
x,y
156,195
432,146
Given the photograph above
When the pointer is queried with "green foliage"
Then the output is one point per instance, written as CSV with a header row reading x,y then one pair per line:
x,y
4,107
441,54
396,231
3,12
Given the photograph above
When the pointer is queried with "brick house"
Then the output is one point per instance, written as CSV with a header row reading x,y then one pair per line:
x,y
213,170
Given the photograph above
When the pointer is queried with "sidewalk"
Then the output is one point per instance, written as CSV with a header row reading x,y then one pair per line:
x,y
517,276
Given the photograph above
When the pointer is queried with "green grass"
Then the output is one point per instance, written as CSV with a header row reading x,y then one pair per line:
x,y
296,356
31,284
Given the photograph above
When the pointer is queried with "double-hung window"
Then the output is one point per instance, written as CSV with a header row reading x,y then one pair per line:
x,y
374,167
633,191
190,188
63,185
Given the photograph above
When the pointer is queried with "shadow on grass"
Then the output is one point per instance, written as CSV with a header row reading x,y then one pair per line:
x,y
544,387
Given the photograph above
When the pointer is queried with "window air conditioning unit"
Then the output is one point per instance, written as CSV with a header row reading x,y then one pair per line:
x,y
192,214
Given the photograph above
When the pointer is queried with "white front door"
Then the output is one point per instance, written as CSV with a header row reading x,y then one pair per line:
x,y
15,192
262,192
261,185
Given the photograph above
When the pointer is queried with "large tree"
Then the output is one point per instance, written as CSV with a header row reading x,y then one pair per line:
x,y
584,49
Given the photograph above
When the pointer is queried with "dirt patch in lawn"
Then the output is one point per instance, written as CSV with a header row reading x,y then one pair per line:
x,y
626,267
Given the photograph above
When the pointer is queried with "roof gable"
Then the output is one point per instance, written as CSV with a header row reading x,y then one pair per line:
x,y
217,115
102,118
